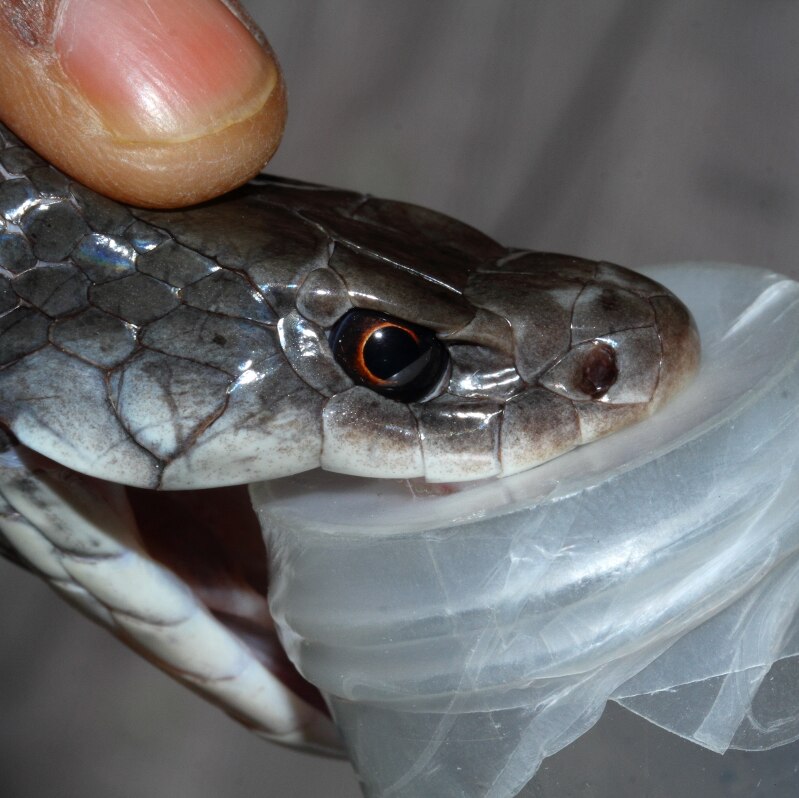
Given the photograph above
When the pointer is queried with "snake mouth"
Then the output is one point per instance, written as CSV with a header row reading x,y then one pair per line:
x,y
181,577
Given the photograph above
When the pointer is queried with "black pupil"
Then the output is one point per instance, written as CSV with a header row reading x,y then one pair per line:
x,y
389,350
392,357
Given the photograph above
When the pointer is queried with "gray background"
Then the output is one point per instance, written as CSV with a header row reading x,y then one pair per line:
x,y
633,131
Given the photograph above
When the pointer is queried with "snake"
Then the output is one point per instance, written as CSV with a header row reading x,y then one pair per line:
x,y
155,363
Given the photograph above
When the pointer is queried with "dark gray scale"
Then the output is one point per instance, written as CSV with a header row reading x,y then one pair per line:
x,y
428,260
174,264
17,195
144,237
323,297
19,160
100,213
269,243
8,296
602,309
380,285
409,232
137,299
231,345
97,337
298,194
103,257
16,254
49,182
231,294
434,230
57,289
307,349
53,227
22,331
539,317
57,405
289,326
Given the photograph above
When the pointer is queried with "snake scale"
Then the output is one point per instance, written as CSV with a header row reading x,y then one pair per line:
x,y
154,363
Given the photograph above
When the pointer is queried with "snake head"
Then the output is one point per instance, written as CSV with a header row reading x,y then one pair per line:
x,y
489,370
235,341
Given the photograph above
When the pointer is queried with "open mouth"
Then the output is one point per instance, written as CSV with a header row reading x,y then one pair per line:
x,y
179,576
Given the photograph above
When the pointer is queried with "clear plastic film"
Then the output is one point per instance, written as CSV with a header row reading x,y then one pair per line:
x,y
462,633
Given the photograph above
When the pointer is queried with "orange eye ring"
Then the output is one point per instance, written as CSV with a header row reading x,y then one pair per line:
x,y
367,335
393,357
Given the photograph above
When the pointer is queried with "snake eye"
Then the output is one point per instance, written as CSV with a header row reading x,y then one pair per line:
x,y
392,357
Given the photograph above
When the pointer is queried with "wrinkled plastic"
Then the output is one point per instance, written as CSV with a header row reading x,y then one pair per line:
x,y
462,633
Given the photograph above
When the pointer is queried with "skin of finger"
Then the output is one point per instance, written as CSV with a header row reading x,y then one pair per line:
x,y
41,106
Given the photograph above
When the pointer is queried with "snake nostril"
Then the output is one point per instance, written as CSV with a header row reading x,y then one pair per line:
x,y
599,371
